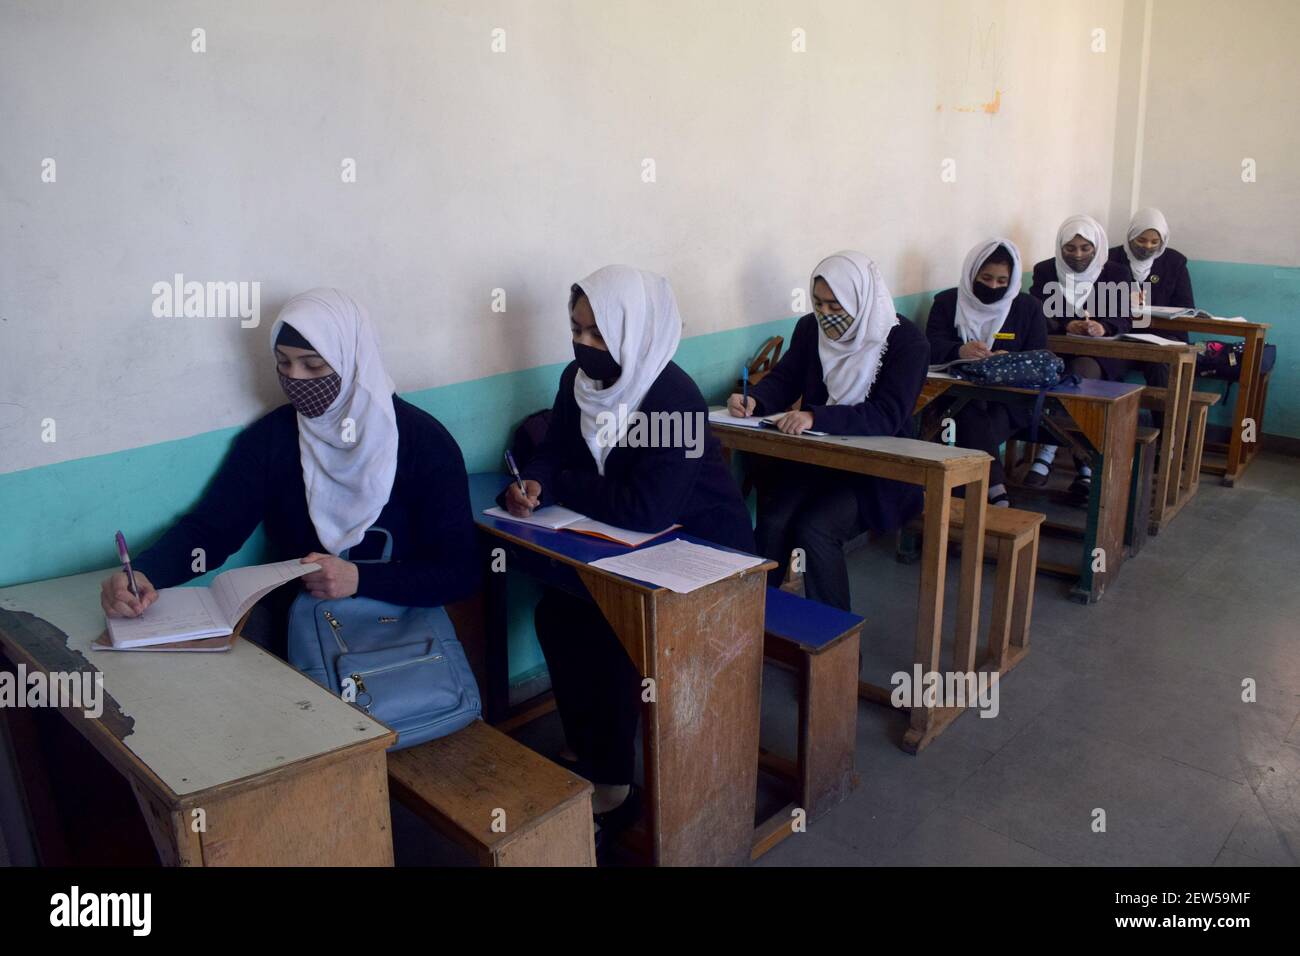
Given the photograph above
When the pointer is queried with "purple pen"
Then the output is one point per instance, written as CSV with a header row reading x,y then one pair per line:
x,y
126,565
514,470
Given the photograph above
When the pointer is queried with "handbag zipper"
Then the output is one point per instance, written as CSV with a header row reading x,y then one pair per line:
x,y
335,627
358,678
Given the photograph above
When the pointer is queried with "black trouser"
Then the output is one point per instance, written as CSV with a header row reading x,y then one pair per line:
x,y
985,426
814,510
597,687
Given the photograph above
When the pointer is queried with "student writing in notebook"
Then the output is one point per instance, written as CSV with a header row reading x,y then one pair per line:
x,y
985,314
625,327
322,474
857,367
1082,294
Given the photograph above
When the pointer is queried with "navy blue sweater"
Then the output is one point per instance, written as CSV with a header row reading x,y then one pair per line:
x,y
1025,326
1171,283
887,409
260,481
644,488
1116,321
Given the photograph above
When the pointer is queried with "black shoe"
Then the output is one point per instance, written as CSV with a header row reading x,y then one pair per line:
x,y
1081,487
1035,479
615,821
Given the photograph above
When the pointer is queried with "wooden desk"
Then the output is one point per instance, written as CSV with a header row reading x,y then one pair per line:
x,y
285,772
1251,391
1171,493
938,469
704,651
1105,416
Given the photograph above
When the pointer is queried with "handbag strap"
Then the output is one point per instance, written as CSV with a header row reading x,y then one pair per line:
x,y
1040,401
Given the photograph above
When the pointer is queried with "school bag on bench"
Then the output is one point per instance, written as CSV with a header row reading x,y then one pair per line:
x,y
1222,360
402,665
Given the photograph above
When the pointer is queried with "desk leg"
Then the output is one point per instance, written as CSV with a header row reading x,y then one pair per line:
x,y
704,652
929,609
1181,488
1250,359
972,566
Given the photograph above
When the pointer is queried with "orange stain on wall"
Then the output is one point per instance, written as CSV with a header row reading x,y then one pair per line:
x,y
992,106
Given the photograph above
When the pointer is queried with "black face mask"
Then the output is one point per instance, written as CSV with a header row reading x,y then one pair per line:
x,y
596,363
987,294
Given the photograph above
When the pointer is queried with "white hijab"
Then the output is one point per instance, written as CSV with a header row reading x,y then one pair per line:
x,y
1075,286
348,483
637,315
1144,219
850,363
977,321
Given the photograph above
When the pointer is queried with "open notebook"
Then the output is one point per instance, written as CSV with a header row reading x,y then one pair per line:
x,y
557,518
1176,312
195,614
724,417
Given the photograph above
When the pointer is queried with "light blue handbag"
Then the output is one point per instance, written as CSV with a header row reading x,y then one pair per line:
x,y
401,665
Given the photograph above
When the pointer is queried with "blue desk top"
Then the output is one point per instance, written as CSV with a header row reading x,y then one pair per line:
x,y
581,548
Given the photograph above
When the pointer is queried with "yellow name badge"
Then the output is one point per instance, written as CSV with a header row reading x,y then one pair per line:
x,y
1004,335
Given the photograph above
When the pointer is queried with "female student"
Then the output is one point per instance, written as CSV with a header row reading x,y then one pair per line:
x,y
858,367
1083,293
625,328
1146,259
345,456
986,314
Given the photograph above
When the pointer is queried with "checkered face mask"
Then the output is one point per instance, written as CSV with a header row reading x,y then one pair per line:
x,y
834,325
311,396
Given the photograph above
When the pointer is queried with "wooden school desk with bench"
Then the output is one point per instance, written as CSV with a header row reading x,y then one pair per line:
x,y
1231,459
1174,403
235,758
704,652
939,470
1099,419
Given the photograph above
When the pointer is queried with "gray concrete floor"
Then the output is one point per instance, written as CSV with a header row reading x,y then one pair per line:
x,y
1132,706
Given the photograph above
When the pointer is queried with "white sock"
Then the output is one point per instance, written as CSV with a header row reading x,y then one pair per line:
x,y
1043,460
999,491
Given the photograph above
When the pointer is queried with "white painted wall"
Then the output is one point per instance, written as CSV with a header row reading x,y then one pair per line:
x,y
1223,87
519,170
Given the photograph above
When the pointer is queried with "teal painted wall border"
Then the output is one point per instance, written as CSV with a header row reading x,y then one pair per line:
x,y
59,519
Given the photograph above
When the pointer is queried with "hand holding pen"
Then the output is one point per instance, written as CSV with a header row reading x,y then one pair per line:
x,y
522,496
126,593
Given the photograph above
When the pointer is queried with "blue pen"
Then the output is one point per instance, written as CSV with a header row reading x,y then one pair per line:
x,y
514,470
744,381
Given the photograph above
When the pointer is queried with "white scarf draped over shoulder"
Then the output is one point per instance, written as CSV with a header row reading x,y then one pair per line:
x,y
1076,286
851,362
347,468
636,313
1144,219
978,321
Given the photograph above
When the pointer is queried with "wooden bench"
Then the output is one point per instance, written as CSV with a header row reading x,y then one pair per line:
x,y
501,801
1153,397
1140,496
1012,535
820,644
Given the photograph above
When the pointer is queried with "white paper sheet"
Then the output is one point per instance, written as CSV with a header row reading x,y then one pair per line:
x,y
1150,339
766,422
680,566
552,516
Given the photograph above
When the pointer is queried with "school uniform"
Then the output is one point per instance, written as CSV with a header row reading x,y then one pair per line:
x,y
597,687
986,425
404,474
819,509
1170,283
1116,322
